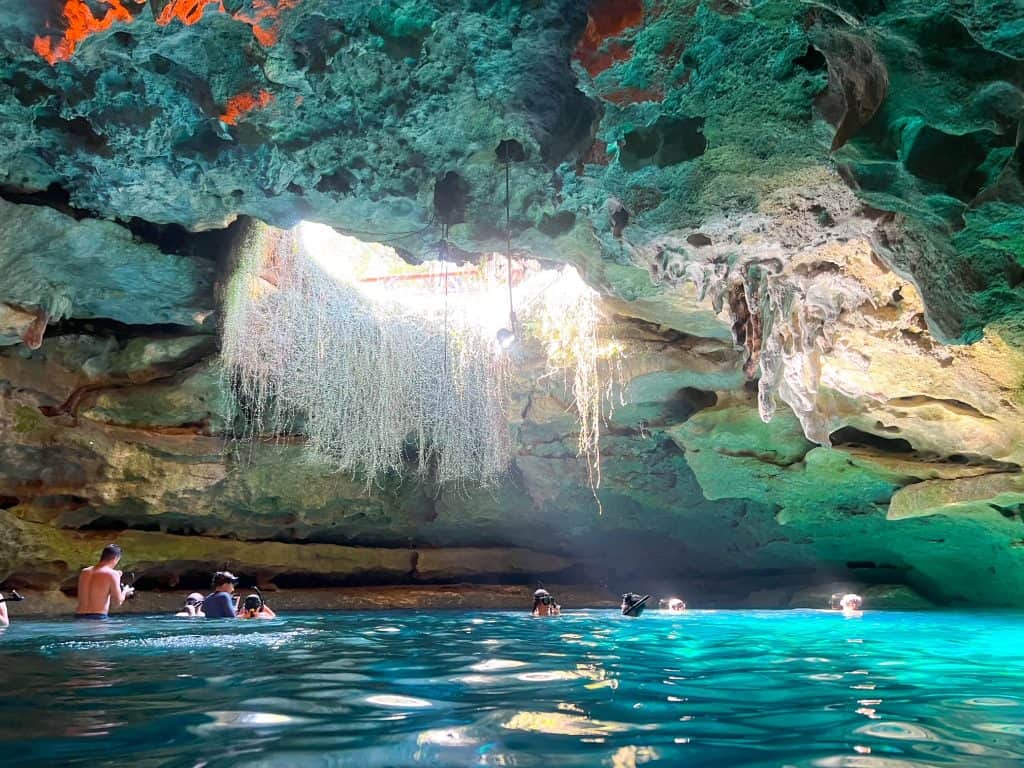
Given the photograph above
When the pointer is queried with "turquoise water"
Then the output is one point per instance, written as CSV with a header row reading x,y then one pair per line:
x,y
705,688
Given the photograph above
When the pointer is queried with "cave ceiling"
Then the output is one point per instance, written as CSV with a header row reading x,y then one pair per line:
x,y
807,215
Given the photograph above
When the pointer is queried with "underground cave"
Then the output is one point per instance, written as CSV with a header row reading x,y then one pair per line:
x,y
441,334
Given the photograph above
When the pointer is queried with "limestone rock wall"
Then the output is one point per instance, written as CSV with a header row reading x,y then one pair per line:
x,y
805,219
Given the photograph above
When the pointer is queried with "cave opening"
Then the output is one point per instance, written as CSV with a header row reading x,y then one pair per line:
x,y
394,352
851,436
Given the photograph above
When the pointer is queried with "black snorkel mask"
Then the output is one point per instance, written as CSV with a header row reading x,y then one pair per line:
x,y
542,597
14,597
254,602
633,604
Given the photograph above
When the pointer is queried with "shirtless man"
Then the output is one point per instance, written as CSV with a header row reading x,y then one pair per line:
x,y
100,583
4,621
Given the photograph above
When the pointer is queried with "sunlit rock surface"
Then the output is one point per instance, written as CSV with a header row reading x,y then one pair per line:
x,y
806,219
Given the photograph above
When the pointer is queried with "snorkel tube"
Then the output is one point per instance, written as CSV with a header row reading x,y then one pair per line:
x,y
253,604
633,604
14,597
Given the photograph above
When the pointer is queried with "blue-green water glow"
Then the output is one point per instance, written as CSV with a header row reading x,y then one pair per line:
x,y
743,688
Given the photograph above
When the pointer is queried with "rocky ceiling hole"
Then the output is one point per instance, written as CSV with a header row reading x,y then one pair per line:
x,y
668,141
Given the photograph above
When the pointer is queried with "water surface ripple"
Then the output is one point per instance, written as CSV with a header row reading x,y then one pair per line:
x,y
705,688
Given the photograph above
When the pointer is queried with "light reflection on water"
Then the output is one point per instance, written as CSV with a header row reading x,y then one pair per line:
x,y
752,689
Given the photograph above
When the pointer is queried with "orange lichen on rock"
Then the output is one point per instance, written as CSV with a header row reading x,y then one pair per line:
x,y
80,25
242,104
607,19
186,11
264,20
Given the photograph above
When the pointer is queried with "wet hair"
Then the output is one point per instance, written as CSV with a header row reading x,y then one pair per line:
x,y
252,603
633,604
110,552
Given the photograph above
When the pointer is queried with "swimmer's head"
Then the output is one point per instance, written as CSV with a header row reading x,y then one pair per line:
x,y
542,597
194,600
252,603
220,578
851,602
633,604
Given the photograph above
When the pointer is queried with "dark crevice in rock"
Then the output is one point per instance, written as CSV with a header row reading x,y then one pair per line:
x,y
340,181
299,580
973,460
812,60
746,330
105,327
558,224
79,129
620,218
573,129
111,524
54,196
414,559
510,151
8,502
668,142
451,196
958,407
1010,512
851,436
175,239
686,402
949,161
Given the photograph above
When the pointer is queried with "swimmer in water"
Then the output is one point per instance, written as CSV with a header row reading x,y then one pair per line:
x,y
633,604
220,604
193,608
253,607
544,604
100,584
672,604
850,605
847,602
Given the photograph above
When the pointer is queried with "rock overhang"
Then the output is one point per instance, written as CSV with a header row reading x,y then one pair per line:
x,y
711,147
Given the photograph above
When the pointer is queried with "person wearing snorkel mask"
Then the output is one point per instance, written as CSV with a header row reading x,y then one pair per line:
x,y
193,608
633,604
253,607
544,604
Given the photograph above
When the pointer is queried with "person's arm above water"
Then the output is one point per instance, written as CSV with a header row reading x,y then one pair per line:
x,y
118,594
266,612
4,621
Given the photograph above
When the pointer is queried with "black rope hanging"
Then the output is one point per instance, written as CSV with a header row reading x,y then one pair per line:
x,y
444,280
509,151
451,195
